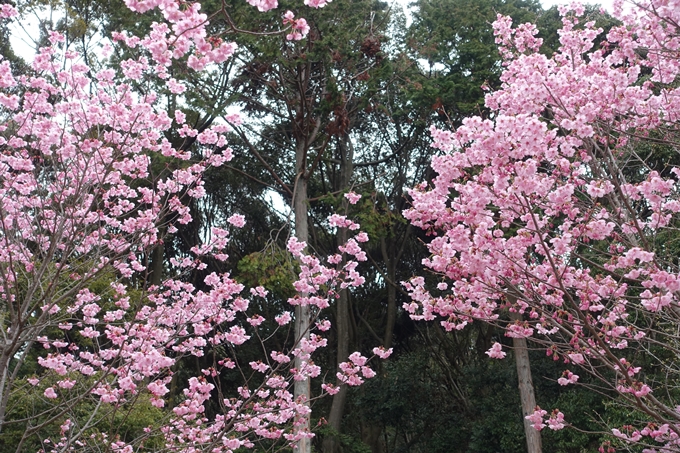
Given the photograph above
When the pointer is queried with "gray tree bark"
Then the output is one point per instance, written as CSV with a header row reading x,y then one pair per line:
x,y
526,390
301,389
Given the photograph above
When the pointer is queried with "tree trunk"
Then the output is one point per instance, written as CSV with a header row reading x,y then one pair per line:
x,y
157,261
301,389
370,435
331,443
526,389
391,263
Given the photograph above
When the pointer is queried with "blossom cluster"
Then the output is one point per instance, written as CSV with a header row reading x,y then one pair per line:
x,y
536,210
299,27
82,203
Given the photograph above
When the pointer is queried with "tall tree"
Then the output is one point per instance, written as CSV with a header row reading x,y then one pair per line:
x,y
82,210
307,95
538,210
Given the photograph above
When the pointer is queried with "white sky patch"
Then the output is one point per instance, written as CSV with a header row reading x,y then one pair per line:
x,y
24,37
606,4
278,204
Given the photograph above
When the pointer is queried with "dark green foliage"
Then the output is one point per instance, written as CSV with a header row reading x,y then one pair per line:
x,y
455,40
441,398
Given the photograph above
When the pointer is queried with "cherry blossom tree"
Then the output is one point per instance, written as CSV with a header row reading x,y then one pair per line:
x,y
80,214
563,210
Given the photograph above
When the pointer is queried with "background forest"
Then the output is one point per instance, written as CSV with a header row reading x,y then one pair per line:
x,y
349,108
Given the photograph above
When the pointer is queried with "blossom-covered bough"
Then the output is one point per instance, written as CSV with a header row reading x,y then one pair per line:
x,y
557,209
80,205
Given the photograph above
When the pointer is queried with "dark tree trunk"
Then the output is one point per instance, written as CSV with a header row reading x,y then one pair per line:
x,y
331,443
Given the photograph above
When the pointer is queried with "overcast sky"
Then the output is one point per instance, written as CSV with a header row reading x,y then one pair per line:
x,y
549,3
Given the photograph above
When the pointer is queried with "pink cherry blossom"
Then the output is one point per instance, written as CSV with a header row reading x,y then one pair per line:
x,y
317,3
264,5
382,352
284,318
50,393
536,418
567,378
352,197
496,351
237,220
